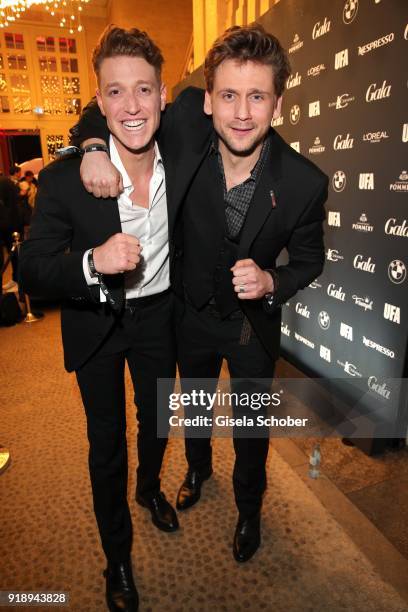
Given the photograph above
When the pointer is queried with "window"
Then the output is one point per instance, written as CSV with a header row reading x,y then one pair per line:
x,y
50,85
22,104
48,63
52,106
1,61
14,41
69,64
67,45
3,82
54,142
19,84
70,85
17,62
4,105
72,106
45,43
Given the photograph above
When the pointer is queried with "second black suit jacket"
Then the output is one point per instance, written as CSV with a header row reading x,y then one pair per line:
x,y
67,221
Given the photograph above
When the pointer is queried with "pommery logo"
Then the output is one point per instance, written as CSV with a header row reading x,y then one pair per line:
x,y
296,45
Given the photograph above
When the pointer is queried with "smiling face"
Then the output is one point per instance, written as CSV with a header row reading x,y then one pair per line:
x,y
131,98
243,103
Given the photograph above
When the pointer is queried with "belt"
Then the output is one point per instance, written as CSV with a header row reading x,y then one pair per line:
x,y
134,303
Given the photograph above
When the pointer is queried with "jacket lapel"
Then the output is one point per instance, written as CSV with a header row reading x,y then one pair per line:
x,y
266,196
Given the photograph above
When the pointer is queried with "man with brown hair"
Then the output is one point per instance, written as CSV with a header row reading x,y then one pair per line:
x,y
116,301
240,195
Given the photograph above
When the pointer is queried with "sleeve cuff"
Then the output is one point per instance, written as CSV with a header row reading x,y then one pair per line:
x,y
90,280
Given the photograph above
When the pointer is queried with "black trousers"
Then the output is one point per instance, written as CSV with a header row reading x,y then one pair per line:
x,y
203,341
144,339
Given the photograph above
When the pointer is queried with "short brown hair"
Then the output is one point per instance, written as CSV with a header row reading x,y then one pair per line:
x,y
249,43
116,41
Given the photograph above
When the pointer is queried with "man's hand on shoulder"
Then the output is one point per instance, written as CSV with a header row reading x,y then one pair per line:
x,y
250,281
98,174
120,253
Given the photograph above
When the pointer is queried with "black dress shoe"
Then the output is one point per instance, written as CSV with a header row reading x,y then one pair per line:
x,y
190,490
121,592
163,513
247,538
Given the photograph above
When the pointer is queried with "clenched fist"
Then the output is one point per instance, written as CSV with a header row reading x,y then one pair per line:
x,y
98,174
120,253
250,281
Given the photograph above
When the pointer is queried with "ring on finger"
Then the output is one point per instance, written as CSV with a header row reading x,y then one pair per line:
x,y
241,289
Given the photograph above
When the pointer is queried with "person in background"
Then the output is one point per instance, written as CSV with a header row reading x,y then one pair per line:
x,y
28,188
9,221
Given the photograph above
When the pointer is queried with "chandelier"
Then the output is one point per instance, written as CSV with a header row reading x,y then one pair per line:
x,y
68,12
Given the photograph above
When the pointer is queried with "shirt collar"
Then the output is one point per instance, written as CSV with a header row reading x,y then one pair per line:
x,y
117,162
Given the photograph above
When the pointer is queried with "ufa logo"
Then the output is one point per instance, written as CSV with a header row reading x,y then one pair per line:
x,y
350,11
339,181
346,331
314,108
341,59
392,313
325,353
366,180
334,218
294,115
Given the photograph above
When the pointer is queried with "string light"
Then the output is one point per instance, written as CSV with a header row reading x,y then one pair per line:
x,y
11,10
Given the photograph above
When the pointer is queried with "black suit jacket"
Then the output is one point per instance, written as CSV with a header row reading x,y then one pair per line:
x,y
295,223
67,221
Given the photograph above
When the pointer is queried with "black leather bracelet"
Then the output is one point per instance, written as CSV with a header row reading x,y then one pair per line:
x,y
95,147
94,274
91,265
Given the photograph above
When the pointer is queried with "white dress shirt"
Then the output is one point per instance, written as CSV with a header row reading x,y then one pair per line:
x,y
149,225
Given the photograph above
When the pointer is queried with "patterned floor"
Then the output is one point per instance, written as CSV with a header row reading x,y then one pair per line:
x,y
49,540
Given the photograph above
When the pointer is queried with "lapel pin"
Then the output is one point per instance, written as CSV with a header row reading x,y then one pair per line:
x,y
273,199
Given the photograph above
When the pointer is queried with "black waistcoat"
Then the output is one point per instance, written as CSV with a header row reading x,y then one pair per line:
x,y
208,254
